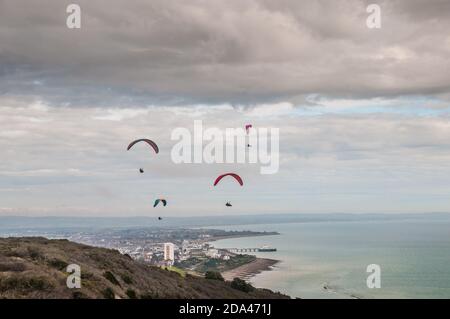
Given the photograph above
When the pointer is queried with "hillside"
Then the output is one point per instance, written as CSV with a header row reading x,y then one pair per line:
x,y
35,267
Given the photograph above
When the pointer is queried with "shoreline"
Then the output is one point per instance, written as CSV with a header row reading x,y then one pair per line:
x,y
250,269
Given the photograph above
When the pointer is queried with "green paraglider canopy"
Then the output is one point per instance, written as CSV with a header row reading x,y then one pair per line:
x,y
160,200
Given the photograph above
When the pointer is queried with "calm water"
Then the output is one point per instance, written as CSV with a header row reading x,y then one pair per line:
x,y
414,256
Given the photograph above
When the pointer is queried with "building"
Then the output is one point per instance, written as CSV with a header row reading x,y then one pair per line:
x,y
169,252
213,253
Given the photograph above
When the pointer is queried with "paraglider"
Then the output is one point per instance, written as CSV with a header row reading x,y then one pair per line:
x,y
149,142
247,129
236,176
163,201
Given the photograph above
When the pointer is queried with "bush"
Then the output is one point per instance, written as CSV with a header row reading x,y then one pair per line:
x,y
131,294
214,275
241,285
58,264
150,295
78,295
108,275
34,253
127,279
14,267
108,293
24,283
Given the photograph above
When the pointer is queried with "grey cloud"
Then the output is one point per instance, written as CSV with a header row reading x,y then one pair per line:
x,y
241,52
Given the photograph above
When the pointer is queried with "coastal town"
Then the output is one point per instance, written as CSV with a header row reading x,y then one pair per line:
x,y
185,250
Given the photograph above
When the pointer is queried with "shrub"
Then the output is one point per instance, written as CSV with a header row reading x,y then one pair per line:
x,y
108,293
86,275
241,285
131,294
214,275
78,295
127,279
150,295
15,267
34,253
58,264
24,283
108,275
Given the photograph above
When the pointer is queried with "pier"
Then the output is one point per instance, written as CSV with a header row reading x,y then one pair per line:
x,y
249,250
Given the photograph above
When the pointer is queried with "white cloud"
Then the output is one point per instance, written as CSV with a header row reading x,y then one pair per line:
x,y
79,163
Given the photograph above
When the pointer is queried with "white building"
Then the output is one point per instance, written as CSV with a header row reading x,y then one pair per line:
x,y
213,253
169,252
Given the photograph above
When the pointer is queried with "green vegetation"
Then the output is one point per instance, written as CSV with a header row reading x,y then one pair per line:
x,y
58,264
179,271
214,275
127,279
189,263
34,253
109,275
131,294
38,275
24,283
220,265
78,295
241,285
13,266
108,293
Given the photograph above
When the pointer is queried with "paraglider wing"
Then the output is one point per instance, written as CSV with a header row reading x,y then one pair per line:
x,y
160,200
236,176
248,127
149,142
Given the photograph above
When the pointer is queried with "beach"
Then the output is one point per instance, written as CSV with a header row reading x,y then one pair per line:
x,y
249,270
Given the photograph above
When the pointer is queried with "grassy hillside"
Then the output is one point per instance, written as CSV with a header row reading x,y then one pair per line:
x,y
35,267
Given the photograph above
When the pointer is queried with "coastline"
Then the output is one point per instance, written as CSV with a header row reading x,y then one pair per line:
x,y
250,269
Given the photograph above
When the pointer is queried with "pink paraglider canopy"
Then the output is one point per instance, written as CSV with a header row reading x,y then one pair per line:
x,y
236,176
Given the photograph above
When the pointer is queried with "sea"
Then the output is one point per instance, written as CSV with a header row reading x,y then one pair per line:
x,y
320,255
329,259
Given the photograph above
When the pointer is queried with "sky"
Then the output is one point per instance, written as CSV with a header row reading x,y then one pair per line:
x,y
363,114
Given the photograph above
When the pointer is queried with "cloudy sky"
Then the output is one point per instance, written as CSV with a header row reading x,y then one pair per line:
x,y
363,113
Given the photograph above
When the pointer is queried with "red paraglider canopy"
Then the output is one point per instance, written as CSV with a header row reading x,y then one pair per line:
x,y
236,176
149,142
